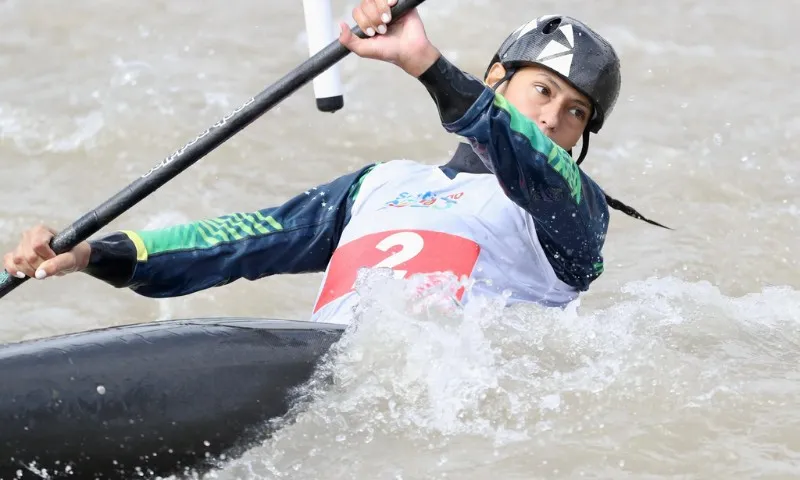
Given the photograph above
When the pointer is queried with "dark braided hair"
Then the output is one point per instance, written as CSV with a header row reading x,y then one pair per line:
x,y
611,201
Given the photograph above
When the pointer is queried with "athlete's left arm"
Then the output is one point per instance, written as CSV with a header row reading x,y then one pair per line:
x,y
568,208
296,237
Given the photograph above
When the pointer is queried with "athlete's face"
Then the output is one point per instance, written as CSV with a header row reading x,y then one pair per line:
x,y
560,111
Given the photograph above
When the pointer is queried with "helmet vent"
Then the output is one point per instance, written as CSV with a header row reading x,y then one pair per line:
x,y
551,26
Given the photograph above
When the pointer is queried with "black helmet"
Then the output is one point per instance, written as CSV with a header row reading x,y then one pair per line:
x,y
573,51
554,42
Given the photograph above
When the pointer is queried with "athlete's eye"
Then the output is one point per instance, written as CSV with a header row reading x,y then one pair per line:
x,y
579,113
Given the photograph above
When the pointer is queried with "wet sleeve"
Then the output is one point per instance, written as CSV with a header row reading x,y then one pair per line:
x,y
296,237
568,208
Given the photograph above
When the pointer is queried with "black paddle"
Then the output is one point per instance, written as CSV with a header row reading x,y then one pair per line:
x,y
196,149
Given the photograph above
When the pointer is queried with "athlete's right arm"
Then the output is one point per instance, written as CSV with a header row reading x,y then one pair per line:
x,y
296,237
568,208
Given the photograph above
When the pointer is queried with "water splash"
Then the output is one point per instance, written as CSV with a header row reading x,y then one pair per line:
x,y
482,389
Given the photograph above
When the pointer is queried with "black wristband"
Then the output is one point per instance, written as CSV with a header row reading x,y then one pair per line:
x,y
453,90
113,259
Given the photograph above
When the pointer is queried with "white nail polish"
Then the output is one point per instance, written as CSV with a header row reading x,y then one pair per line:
x,y
370,32
19,275
386,18
381,29
40,274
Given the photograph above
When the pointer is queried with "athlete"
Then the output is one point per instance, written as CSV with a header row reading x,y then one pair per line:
x,y
512,210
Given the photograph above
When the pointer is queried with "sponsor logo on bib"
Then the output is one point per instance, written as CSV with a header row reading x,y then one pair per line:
x,y
425,200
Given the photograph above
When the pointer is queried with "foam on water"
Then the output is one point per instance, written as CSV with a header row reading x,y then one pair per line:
x,y
34,134
458,392
656,378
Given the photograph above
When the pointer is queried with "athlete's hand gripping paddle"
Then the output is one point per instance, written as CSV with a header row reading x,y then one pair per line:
x,y
200,146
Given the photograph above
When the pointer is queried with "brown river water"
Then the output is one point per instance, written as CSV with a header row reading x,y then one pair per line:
x,y
681,362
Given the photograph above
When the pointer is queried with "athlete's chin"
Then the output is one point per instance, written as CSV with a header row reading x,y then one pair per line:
x,y
558,141
565,144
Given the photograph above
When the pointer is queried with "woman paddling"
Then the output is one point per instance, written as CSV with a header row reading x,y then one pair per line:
x,y
511,210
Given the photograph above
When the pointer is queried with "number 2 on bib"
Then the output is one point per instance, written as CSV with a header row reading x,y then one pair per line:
x,y
406,252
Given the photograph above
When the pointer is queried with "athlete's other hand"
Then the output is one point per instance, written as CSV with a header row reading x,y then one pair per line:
x,y
403,42
34,258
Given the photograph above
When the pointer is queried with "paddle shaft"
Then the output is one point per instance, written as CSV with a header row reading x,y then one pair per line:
x,y
199,147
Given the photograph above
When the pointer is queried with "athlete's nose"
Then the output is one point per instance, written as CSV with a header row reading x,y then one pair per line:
x,y
549,118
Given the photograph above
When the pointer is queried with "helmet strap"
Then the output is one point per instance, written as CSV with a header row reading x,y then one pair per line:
x,y
584,146
509,73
